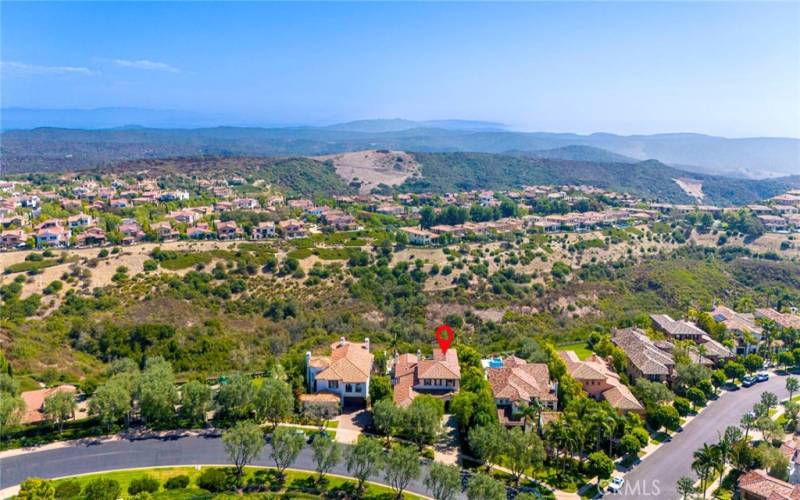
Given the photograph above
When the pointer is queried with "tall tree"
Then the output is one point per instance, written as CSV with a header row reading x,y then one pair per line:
x,y
111,402
706,460
243,442
156,392
401,466
59,407
195,401
523,451
235,397
388,418
327,454
792,385
443,481
685,487
600,465
286,446
274,401
483,487
364,459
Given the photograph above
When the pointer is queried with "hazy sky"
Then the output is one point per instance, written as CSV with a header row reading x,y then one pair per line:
x,y
729,69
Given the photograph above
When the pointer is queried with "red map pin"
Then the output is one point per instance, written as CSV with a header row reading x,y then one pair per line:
x,y
446,339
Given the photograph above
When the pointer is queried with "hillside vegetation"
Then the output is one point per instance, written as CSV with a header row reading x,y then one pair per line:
x,y
651,179
66,149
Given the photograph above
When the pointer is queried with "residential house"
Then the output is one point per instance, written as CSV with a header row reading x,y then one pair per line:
x,y
791,450
439,375
164,230
774,223
516,383
345,373
79,220
200,232
12,238
788,321
228,230
417,236
686,330
246,204
645,359
601,382
292,228
758,485
131,231
183,216
263,230
743,325
52,237
34,402
91,236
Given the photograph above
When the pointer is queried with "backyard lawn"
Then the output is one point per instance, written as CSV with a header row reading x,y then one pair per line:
x,y
580,348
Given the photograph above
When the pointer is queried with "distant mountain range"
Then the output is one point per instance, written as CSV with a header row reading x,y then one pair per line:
x,y
68,148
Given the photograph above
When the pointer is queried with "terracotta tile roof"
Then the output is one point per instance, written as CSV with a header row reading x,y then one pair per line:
x,y
521,381
783,319
34,400
759,484
409,369
735,321
642,352
320,397
676,327
349,362
596,368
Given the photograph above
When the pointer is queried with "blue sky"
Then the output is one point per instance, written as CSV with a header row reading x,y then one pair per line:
x,y
728,69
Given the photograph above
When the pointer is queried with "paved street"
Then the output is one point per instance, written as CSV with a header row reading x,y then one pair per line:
x,y
123,454
656,476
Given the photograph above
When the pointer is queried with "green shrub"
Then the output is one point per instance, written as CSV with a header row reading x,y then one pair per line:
x,y
177,482
146,484
213,480
102,489
68,489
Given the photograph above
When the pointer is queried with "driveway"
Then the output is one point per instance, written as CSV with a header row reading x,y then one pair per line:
x,y
126,454
656,475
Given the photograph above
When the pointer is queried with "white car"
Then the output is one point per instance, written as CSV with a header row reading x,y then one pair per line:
x,y
616,484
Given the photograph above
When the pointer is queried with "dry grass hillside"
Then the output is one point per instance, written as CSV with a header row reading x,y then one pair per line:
x,y
371,168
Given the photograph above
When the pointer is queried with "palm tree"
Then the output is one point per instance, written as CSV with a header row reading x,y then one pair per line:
x,y
746,422
792,385
532,409
706,459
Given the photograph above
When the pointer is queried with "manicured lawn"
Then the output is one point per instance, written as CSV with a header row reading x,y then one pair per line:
x,y
297,484
580,348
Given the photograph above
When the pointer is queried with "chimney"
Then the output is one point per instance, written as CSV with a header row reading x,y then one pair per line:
x,y
419,354
341,341
366,344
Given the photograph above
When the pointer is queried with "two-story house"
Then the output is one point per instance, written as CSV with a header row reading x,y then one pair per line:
x,y
515,384
345,373
264,230
439,375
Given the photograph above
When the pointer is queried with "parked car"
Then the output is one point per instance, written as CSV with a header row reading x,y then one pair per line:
x,y
748,381
762,377
616,485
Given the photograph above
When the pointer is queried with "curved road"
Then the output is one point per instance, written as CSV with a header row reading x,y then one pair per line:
x,y
656,475
149,452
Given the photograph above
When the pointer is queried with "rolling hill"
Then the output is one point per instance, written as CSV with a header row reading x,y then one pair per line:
x,y
58,148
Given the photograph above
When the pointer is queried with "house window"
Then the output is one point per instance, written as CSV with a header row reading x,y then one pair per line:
x,y
427,381
358,387
450,383
348,388
333,384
